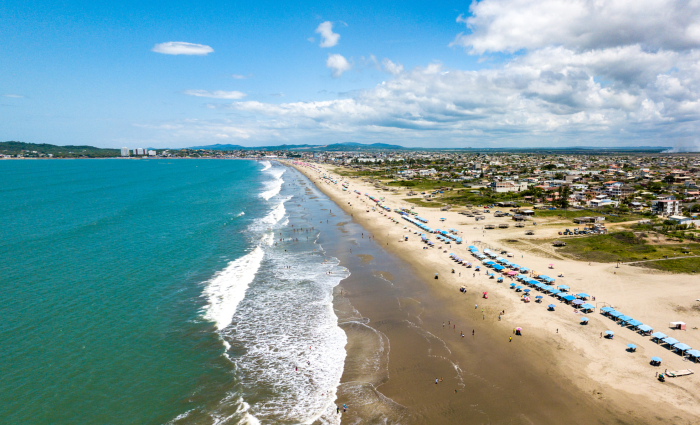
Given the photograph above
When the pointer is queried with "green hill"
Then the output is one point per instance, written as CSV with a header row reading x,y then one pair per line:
x,y
28,149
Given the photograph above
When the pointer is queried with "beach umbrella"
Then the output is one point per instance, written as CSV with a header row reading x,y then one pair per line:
x,y
584,319
485,293
527,298
609,333
518,329
632,347
512,285
539,297
526,290
551,306
656,359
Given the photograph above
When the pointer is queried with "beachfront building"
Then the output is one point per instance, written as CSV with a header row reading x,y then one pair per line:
x,y
666,207
508,186
125,151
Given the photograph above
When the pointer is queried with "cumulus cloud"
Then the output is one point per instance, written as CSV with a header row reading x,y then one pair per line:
x,y
391,67
511,25
635,84
328,37
182,48
338,64
216,94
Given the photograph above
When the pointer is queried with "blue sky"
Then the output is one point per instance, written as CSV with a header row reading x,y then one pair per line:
x,y
459,74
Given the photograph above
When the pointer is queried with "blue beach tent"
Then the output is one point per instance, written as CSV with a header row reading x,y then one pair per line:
x,y
682,347
659,336
670,341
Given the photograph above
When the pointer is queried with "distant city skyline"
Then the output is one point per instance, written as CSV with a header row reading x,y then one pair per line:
x,y
497,73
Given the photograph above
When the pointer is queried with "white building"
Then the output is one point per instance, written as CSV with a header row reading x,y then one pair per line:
x,y
680,219
139,151
125,151
666,207
428,172
508,186
151,153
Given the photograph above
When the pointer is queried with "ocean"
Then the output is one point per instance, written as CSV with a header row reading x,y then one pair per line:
x,y
166,292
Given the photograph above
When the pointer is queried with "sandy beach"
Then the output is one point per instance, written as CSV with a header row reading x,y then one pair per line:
x,y
558,369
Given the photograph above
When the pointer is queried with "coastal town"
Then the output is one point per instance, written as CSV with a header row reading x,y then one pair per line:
x,y
619,299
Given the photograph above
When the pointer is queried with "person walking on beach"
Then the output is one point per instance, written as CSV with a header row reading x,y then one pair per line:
x,y
472,332
510,339
475,306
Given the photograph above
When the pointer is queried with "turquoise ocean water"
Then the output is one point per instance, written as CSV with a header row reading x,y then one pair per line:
x,y
133,293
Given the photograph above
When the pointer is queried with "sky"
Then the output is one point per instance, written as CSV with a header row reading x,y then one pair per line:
x,y
493,73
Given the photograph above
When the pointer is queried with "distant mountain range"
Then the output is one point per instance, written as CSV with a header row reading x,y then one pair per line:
x,y
15,148
350,146
70,151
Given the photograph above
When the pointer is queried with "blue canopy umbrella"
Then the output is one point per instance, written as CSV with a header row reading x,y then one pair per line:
x,y
539,297
632,346
582,295
569,298
693,353
659,335
645,328
584,319
606,309
512,285
587,306
609,333
656,360
551,306
526,290
682,347
670,341
517,288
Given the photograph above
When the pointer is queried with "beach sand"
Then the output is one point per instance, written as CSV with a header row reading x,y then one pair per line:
x,y
558,371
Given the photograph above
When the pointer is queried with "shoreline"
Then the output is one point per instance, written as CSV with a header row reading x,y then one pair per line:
x,y
600,380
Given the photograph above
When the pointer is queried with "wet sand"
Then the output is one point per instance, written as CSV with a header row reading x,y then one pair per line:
x,y
393,312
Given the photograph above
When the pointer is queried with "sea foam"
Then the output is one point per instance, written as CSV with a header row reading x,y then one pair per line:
x,y
273,187
228,287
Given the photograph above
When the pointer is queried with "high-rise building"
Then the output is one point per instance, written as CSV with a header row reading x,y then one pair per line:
x,y
140,151
125,151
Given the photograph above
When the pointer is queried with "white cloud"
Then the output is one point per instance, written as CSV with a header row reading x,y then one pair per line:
x,y
338,64
16,96
608,73
311,39
391,67
216,94
328,37
182,48
511,25
239,76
